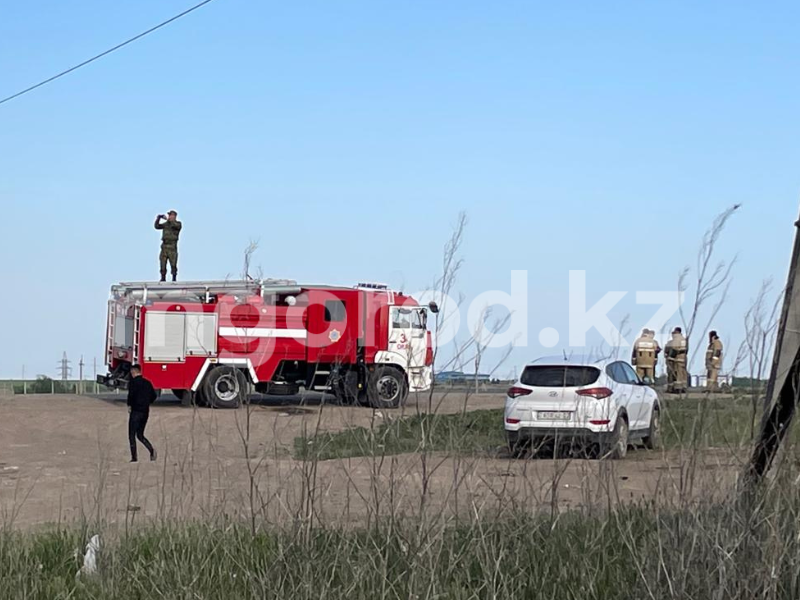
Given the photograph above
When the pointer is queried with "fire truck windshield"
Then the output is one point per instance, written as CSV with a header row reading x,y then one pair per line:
x,y
408,318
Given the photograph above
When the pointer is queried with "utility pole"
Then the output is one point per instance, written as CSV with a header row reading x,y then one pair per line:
x,y
80,374
64,367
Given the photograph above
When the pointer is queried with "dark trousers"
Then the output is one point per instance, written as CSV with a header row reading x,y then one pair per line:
x,y
136,424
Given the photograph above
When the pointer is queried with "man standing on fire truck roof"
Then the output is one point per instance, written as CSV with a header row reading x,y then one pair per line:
x,y
170,232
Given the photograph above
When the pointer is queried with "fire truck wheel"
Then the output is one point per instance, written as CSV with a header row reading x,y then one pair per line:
x,y
190,398
185,396
226,387
346,397
387,388
200,397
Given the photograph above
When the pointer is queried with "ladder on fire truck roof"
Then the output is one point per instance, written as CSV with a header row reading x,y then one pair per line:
x,y
142,290
203,290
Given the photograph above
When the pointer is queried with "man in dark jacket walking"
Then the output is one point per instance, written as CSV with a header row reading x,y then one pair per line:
x,y
140,396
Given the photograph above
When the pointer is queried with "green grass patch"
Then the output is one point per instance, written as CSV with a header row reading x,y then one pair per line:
x,y
479,431
708,422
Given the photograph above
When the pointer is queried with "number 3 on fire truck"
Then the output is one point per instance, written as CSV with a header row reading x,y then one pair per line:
x,y
402,343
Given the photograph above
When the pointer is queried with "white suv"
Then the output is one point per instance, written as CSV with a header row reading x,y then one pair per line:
x,y
601,404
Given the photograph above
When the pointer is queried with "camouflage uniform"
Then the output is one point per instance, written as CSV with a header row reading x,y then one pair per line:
x,y
170,232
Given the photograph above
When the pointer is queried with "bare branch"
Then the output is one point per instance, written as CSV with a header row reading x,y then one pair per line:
x,y
711,282
249,251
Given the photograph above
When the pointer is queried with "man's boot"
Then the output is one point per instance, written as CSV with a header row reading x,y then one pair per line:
x,y
163,275
174,276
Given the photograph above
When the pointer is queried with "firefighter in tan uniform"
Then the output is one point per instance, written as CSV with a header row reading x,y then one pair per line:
x,y
713,360
676,350
652,335
645,356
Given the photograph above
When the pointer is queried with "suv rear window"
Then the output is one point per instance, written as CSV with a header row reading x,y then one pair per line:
x,y
567,376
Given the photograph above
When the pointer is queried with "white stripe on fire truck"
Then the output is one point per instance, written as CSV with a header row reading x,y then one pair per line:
x,y
263,332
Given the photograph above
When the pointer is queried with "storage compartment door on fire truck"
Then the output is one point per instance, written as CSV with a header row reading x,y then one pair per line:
x,y
408,334
121,317
174,336
334,327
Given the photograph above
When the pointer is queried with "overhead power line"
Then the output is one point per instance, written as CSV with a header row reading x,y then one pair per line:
x,y
107,52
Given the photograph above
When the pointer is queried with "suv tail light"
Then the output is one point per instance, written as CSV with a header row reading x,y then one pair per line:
x,y
516,392
597,392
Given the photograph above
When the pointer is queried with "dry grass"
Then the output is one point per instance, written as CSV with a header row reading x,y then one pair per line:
x,y
717,551
520,540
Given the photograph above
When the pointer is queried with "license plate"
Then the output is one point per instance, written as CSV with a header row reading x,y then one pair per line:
x,y
554,415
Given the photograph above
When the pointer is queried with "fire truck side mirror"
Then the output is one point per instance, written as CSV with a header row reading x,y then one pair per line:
x,y
434,308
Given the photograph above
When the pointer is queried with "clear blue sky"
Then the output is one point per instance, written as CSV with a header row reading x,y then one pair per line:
x,y
347,136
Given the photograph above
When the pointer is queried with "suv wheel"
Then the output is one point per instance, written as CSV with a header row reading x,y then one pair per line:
x,y
652,440
517,448
616,448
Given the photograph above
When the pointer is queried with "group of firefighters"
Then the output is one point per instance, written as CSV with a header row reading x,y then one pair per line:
x,y
645,358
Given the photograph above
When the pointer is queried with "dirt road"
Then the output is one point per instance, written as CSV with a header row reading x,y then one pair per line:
x,y
65,457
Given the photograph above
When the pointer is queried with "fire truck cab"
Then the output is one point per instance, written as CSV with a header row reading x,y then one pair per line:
x,y
213,342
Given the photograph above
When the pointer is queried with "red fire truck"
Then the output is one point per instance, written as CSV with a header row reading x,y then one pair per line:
x,y
212,342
